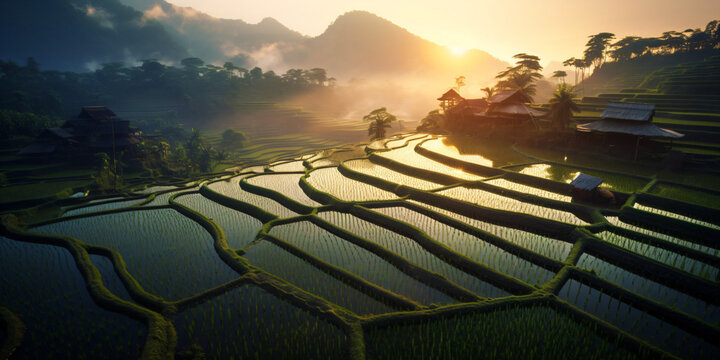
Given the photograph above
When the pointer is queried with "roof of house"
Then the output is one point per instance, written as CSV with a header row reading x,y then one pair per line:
x,y
586,182
629,127
60,132
514,109
98,113
628,111
516,96
450,95
38,148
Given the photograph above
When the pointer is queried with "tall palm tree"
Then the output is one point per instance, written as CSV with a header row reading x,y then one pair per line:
x,y
380,120
489,91
562,107
559,74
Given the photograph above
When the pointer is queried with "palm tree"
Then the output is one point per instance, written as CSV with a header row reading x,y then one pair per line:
x,y
489,91
562,107
380,120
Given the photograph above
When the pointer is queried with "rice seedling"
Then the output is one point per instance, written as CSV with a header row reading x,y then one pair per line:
x,y
412,251
171,264
343,254
407,155
101,207
42,285
287,166
474,248
528,190
662,255
331,181
651,289
649,231
509,333
636,322
251,323
366,167
232,189
675,215
549,247
110,278
294,270
240,229
686,194
286,184
495,201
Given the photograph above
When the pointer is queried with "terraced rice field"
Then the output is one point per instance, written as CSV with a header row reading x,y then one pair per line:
x,y
340,254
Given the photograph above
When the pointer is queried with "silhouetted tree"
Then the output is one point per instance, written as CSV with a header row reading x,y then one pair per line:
x,y
380,120
459,82
433,122
559,74
562,106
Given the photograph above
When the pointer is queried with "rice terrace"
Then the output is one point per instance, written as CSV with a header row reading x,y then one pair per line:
x,y
338,205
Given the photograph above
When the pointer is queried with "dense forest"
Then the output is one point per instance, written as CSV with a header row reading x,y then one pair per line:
x,y
30,99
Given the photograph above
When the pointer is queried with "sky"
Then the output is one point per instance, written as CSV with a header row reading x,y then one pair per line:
x,y
555,30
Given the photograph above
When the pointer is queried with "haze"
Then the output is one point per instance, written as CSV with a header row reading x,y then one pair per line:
x,y
553,29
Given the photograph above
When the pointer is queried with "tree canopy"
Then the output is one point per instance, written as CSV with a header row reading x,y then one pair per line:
x,y
380,120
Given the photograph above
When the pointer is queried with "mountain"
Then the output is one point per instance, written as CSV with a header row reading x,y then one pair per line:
x,y
213,39
81,34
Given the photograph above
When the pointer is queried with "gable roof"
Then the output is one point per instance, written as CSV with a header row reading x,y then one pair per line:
x,y
98,113
638,128
628,111
586,182
509,95
450,95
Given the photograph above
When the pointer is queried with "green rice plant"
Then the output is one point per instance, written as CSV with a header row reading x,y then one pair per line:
x,y
171,264
685,194
331,181
495,201
366,167
42,285
508,333
341,253
407,155
250,323
298,272
411,251
675,216
672,298
662,255
240,229
286,184
649,231
232,189
634,321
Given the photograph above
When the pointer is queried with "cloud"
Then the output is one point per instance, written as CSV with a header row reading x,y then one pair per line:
x,y
102,17
155,13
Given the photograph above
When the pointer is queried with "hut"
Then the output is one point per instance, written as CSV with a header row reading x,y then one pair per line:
x,y
631,119
587,188
95,129
507,108
450,99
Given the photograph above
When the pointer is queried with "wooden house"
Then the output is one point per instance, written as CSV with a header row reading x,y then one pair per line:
x,y
508,108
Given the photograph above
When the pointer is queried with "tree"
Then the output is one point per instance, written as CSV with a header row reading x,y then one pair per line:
x,y
571,62
489,91
521,76
562,107
559,74
595,52
380,120
459,82
233,138
433,122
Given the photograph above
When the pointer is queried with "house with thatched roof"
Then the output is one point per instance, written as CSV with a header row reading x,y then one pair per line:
x,y
450,99
630,120
95,129
506,108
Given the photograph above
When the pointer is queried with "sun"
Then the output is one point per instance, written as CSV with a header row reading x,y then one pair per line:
x,y
457,50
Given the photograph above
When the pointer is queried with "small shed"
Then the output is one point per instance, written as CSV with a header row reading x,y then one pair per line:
x,y
629,118
587,188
